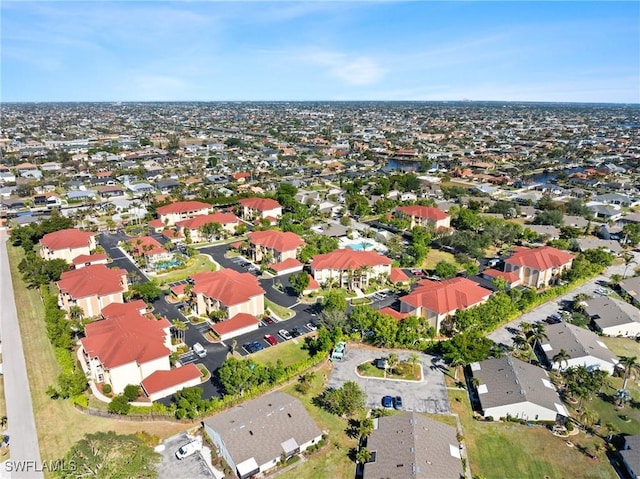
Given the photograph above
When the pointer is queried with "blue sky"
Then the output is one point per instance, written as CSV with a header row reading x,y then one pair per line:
x,y
200,50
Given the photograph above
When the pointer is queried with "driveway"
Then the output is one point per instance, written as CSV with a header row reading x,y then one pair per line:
x,y
22,424
193,466
428,395
504,334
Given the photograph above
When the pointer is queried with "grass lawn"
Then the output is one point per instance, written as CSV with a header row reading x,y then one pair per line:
x,y
435,256
512,450
288,352
196,264
622,346
331,461
279,311
403,370
58,423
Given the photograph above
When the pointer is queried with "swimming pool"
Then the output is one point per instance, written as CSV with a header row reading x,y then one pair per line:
x,y
360,246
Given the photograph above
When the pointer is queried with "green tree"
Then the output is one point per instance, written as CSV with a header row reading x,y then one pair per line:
x,y
299,282
345,400
119,405
562,357
131,392
363,455
335,300
446,270
237,375
149,291
631,366
107,455
392,361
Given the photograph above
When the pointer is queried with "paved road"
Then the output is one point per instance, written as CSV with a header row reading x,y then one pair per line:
x,y
24,439
504,335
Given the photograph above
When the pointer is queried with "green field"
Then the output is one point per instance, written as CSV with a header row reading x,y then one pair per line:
x,y
622,346
404,371
58,423
280,311
435,256
289,352
512,450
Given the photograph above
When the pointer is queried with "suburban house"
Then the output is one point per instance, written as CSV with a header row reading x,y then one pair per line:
x,y
538,267
631,287
510,387
228,291
412,446
255,436
582,346
91,288
614,317
127,346
182,210
511,278
89,259
350,268
163,383
438,300
239,324
630,454
228,222
67,244
274,246
260,208
149,249
425,216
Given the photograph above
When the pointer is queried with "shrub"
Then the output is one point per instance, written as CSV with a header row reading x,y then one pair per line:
x,y
81,400
119,405
106,388
131,392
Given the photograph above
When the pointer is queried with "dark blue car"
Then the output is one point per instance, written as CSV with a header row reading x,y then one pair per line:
x,y
387,401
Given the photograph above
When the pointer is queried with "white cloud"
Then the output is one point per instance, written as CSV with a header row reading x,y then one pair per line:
x,y
360,70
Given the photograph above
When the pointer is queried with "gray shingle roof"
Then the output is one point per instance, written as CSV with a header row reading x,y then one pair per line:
x,y
412,446
259,427
577,342
607,312
511,381
631,454
631,286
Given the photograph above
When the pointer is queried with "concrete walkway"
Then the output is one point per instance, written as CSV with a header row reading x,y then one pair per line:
x,y
24,439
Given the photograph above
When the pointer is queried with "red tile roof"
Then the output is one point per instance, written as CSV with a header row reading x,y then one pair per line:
x,y
313,284
398,276
93,280
542,258
239,321
171,234
157,223
199,221
238,176
66,239
126,336
119,309
445,296
260,204
344,259
510,277
285,265
146,245
178,289
227,286
89,258
428,212
276,240
397,315
161,380
183,207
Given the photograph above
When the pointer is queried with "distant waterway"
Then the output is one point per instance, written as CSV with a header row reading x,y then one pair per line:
x,y
405,165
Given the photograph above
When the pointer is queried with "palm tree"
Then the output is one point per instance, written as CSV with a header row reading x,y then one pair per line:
x,y
363,456
631,366
628,259
413,359
536,335
562,357
392,361
526,327
455,362
588,417
611,430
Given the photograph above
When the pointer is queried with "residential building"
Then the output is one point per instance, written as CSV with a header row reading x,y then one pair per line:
x,y
164,383
514,388
631,287
439,300
613,317
538,267
228,224
630,454
150,250
239,324
412,446
274,246
350,268
91,288
126,346
182,210
87,260
260,208
255,436
583,348
67,244
425,216
228,291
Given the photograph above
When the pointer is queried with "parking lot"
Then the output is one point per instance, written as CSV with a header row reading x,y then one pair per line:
x,y
193,466
428,395
277,337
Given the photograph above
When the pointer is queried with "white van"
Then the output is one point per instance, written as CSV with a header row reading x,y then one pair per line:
x,y
199,350
188,449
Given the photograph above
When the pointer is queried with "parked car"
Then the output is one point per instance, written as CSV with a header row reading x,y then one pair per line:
x,y
284,334
188,449
397,402
199,350
270,339
269,320
311,326
387,401
295,332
